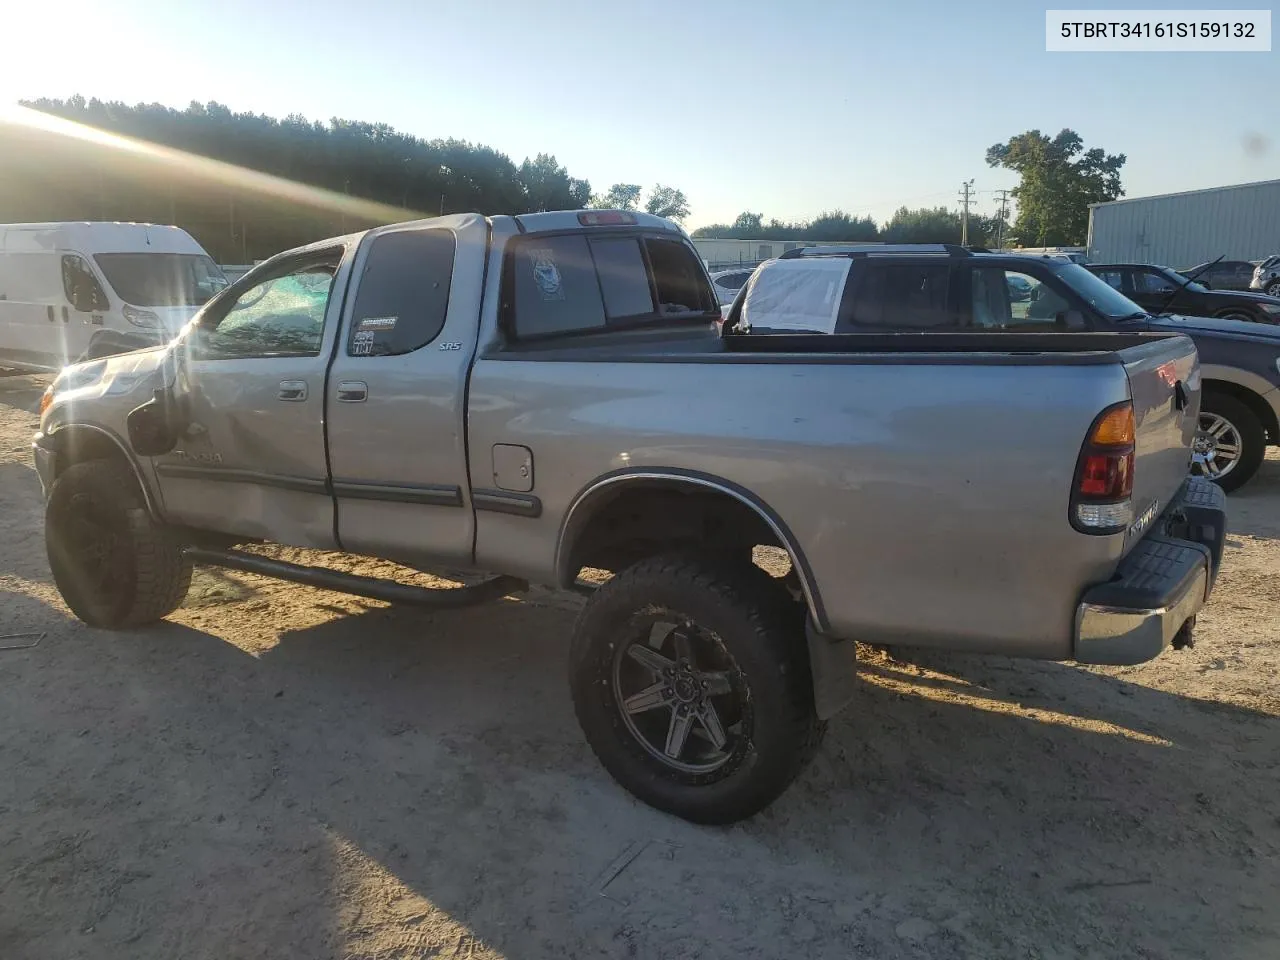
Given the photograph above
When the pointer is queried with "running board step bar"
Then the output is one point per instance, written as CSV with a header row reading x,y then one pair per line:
x,y
442,598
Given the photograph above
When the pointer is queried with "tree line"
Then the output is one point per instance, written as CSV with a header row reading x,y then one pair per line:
x,y
1058,181
421,177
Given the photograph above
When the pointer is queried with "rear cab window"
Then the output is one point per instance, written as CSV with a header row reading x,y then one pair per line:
x,y
578,283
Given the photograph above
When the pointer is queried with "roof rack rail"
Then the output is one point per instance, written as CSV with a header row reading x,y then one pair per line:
x,y
878,250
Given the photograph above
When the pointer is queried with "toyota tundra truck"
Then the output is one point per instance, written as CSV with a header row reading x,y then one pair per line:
x,y
525,398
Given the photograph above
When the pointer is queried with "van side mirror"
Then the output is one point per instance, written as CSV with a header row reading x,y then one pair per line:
x,y
155,426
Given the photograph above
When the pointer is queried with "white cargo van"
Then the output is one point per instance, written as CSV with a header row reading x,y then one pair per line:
x,y
83,290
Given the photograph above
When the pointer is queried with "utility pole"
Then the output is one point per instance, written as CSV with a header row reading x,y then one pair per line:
x,y
1003,197
965,195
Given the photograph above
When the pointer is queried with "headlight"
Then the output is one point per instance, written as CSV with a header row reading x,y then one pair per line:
x,y
1277,364
140,318
1271,308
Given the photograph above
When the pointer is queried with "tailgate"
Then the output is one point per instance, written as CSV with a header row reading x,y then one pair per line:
x,y
1164,381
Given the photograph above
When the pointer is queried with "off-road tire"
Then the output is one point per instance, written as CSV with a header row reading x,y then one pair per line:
x,y
759,625
150,576
1252,436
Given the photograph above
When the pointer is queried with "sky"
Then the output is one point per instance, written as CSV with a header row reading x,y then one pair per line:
x,y
782,108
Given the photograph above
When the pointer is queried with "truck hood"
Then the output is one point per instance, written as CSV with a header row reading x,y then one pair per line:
x,y
1233,329
123,380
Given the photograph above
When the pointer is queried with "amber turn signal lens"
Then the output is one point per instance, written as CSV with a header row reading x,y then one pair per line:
x,y
46,398
1116,429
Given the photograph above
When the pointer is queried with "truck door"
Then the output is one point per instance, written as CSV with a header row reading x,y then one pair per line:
x,y
253,461
397,392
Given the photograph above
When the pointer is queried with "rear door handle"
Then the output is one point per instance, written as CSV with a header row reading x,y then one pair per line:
x,y
294,390
353,391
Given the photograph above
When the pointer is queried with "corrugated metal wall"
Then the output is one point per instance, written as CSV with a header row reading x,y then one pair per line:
x,y
1184,229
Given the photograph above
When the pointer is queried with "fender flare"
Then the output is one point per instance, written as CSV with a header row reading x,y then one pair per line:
x,y
58,440
580,512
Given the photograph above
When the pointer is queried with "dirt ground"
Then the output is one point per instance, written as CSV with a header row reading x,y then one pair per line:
x,y
286,772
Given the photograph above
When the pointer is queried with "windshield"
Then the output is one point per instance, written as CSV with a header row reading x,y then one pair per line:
x,y
1104,298
161,279
1180,279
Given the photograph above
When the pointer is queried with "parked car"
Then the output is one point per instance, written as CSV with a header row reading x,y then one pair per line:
x,y
72,290
1222,274
1161,290
1266,277
530,396
1240,407
727,283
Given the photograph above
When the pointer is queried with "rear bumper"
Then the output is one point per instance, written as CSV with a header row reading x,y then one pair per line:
x,y
1159,586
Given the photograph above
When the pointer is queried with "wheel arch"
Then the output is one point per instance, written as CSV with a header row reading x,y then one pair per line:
x,y
77,442
594,502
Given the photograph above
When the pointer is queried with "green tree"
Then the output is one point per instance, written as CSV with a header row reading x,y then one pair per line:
x,y
621,196
668,202
370,161
548,185
935,225
1059,179
748,226
836,225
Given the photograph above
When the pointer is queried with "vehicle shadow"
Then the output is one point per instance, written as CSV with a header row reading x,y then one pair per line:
x,y
402,782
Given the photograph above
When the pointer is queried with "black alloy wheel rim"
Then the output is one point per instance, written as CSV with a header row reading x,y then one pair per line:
x,y
681,696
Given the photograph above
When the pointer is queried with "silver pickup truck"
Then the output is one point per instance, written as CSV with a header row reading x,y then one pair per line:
x,y
528,397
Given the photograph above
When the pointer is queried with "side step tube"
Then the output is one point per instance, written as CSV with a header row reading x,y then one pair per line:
x,y
443,598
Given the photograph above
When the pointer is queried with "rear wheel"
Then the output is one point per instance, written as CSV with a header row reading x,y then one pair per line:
x,y
114,566
690,679
1230,442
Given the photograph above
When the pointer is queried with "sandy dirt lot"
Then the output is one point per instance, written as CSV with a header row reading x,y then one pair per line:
x,y
285,772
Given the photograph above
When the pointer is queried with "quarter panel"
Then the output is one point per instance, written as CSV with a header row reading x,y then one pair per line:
x,y
930,501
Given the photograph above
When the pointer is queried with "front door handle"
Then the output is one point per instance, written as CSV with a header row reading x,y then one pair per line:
x,y
353,391
294,390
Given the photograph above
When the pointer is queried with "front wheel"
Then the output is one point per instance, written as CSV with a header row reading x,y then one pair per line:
x,y
690,678
1273,289
114,566
1230,443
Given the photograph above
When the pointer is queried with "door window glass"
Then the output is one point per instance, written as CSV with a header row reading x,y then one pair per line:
x,y
1012,300
82,288
279,317
403,295
1147,282
1112,278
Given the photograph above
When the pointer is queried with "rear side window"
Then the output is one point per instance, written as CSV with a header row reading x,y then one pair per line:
x,y
575,283
403,294
904,296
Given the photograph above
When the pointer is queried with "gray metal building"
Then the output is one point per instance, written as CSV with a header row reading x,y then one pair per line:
x,y
1239,222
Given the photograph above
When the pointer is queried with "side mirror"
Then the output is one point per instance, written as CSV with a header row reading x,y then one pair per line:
x,y
1206,284
155,426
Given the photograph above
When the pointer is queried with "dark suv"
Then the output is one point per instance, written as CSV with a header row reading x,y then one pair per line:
x,y
1161,290
940,288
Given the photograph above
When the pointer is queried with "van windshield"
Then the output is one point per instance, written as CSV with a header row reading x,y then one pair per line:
x,y
161,279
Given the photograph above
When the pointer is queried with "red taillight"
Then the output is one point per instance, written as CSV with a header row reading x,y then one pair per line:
x,y
1101,496
1106,476
606,218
